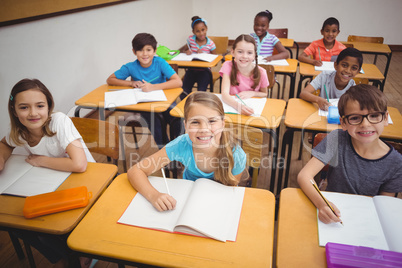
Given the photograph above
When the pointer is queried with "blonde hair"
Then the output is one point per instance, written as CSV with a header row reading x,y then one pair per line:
x,y
17,128
228,141
256,72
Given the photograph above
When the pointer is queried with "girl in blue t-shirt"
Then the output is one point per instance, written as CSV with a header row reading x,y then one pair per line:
x,y
207,150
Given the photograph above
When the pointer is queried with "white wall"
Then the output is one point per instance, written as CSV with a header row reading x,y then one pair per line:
x,y
73,54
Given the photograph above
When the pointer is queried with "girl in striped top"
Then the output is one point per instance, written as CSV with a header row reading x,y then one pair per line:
x,y
198,43
265,41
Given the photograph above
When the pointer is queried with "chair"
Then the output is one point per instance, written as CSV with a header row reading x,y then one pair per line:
x,y
271,78
221,43
366,39
251,141
100,137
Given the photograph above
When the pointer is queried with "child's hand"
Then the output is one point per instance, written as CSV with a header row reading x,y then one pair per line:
x,y
199,51
246,110
246,94
317,63
34,160
268,58
163,202
136,84
146,87
323,104
189,52
326,215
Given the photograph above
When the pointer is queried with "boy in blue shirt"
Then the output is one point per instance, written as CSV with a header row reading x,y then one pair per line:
x,y
149,73
360,162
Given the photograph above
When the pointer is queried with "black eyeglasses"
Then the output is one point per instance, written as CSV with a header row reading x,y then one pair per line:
x,y
356,119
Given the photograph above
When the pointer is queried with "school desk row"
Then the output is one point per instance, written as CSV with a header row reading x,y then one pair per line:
x,y
93,231
299,116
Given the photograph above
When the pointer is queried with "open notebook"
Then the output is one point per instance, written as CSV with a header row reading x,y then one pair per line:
x,y
367,221
329,66
22,179
283,62
204,208
195,56
257,104
131,96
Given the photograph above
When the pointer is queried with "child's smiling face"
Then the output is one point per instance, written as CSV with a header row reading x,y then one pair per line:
x,y
261,25
330,32
346,69
145,55
200,31
244,54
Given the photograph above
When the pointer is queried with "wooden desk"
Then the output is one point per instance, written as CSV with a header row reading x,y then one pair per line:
x,y
99,234
96,178
290,71
303,116
375,49
297,242
269,121
288,44
96,100
371,72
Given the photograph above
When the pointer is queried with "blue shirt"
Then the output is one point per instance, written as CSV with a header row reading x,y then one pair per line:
x,y
159,68
181,149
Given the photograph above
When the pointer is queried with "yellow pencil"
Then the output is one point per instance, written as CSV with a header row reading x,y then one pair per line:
x,y
325,200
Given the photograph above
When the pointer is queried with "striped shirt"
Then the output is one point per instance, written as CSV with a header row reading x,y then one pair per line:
x,y
207,48
266,46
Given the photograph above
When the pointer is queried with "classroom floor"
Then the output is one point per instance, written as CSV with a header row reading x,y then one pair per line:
x,y
393,91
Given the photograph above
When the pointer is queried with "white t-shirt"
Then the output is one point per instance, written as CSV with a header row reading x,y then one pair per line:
x,y
56,146
328,79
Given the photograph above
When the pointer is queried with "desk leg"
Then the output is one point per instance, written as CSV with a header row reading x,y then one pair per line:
x,y
287,140
29,254
297,50
274,135
17,246
389,56
301,80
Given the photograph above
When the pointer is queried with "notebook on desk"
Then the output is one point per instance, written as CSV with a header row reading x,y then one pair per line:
x,y
132,96
329,66
199,56
283,62
22,179
204,208
257,104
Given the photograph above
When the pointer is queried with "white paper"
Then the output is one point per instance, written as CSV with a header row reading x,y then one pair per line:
x,y
22,179
329,66
257,104
283,62
132,96
198,56
205,206
361,225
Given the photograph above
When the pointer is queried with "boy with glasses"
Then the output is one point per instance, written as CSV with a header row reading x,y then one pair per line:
x,y
360,163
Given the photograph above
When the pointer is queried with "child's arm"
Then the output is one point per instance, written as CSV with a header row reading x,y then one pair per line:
x,y
114,81
387,194
307,173
76,162
138,177
307,59
250,94
307,95
173,82
282,53
5,152
242,109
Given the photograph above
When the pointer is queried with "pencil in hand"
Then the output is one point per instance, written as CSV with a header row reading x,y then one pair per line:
x,y
325,200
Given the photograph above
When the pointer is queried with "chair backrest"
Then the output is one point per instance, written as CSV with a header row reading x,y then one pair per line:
x,y
251,140
366,39
270,73
221,43
359,81
317,139
175,67
396,145
280,33
100,136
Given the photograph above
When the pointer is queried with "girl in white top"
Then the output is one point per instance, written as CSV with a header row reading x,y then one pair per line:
x,y
50,138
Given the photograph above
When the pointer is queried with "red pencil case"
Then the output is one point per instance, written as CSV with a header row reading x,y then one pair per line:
x,y
57,201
